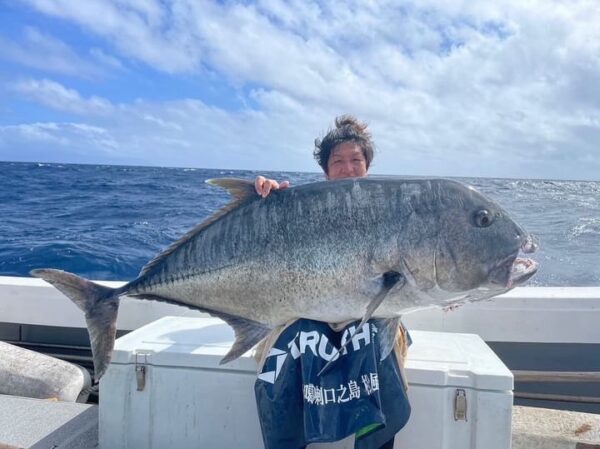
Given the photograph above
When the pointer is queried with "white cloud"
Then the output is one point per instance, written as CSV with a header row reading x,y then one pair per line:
x,y
466,88
60,142
106,60
56,96
42,51
142,30
41,132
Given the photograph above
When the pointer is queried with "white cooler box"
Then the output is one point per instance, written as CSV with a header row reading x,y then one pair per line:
x,y
166,389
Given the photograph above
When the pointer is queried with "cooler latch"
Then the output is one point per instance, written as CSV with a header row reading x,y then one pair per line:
x,y
460,405
141,362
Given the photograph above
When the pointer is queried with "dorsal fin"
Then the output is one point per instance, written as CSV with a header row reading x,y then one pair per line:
x,y
240,189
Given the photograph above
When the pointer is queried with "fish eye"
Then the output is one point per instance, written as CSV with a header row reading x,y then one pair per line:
x,y
483,218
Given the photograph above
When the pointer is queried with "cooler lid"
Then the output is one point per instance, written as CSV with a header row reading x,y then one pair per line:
x,y
457,360
434,358
182,342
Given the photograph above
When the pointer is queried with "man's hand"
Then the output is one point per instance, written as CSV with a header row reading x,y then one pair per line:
x,y
264,186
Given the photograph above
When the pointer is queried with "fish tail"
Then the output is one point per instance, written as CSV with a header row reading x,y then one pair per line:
x,y
100,304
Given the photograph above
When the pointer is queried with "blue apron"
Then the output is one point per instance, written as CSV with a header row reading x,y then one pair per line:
x,y
359,394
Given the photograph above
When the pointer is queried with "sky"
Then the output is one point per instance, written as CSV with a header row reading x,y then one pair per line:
x,y
504,88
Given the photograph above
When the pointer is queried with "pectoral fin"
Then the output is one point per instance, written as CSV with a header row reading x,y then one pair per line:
x,y
389,280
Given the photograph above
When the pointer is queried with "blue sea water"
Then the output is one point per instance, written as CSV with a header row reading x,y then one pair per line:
x,y
106,222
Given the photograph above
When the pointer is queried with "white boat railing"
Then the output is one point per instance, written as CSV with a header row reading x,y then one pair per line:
x,y
526,314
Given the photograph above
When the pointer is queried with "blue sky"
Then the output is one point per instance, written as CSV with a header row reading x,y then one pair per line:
x,y
478,88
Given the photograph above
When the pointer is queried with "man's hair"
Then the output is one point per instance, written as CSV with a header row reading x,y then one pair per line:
x,y
347,129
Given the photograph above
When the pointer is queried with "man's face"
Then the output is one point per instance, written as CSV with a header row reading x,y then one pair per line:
x,y
346,161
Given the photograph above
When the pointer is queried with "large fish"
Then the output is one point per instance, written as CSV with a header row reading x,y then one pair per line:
x,y
330,251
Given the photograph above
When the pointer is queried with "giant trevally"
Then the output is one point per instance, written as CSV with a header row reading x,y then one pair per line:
x,y
330,251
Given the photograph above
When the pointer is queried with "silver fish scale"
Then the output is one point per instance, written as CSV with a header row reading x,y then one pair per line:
x,y
313,251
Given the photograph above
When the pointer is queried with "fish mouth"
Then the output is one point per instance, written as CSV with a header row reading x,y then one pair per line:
x,y
513,270
521,270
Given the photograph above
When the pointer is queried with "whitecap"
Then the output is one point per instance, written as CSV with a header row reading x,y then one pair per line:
x,y
586,226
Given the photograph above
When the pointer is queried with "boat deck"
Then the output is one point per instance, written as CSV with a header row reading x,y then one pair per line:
x,y
36,424
43,424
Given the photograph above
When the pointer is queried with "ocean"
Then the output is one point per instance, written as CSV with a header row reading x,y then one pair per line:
x,y
105,222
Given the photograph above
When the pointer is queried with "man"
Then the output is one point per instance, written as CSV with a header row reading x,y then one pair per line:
x,y
346,151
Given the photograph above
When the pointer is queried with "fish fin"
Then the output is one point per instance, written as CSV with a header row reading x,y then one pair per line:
x,y
389,279
388,330
247,334
100,304
241,190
